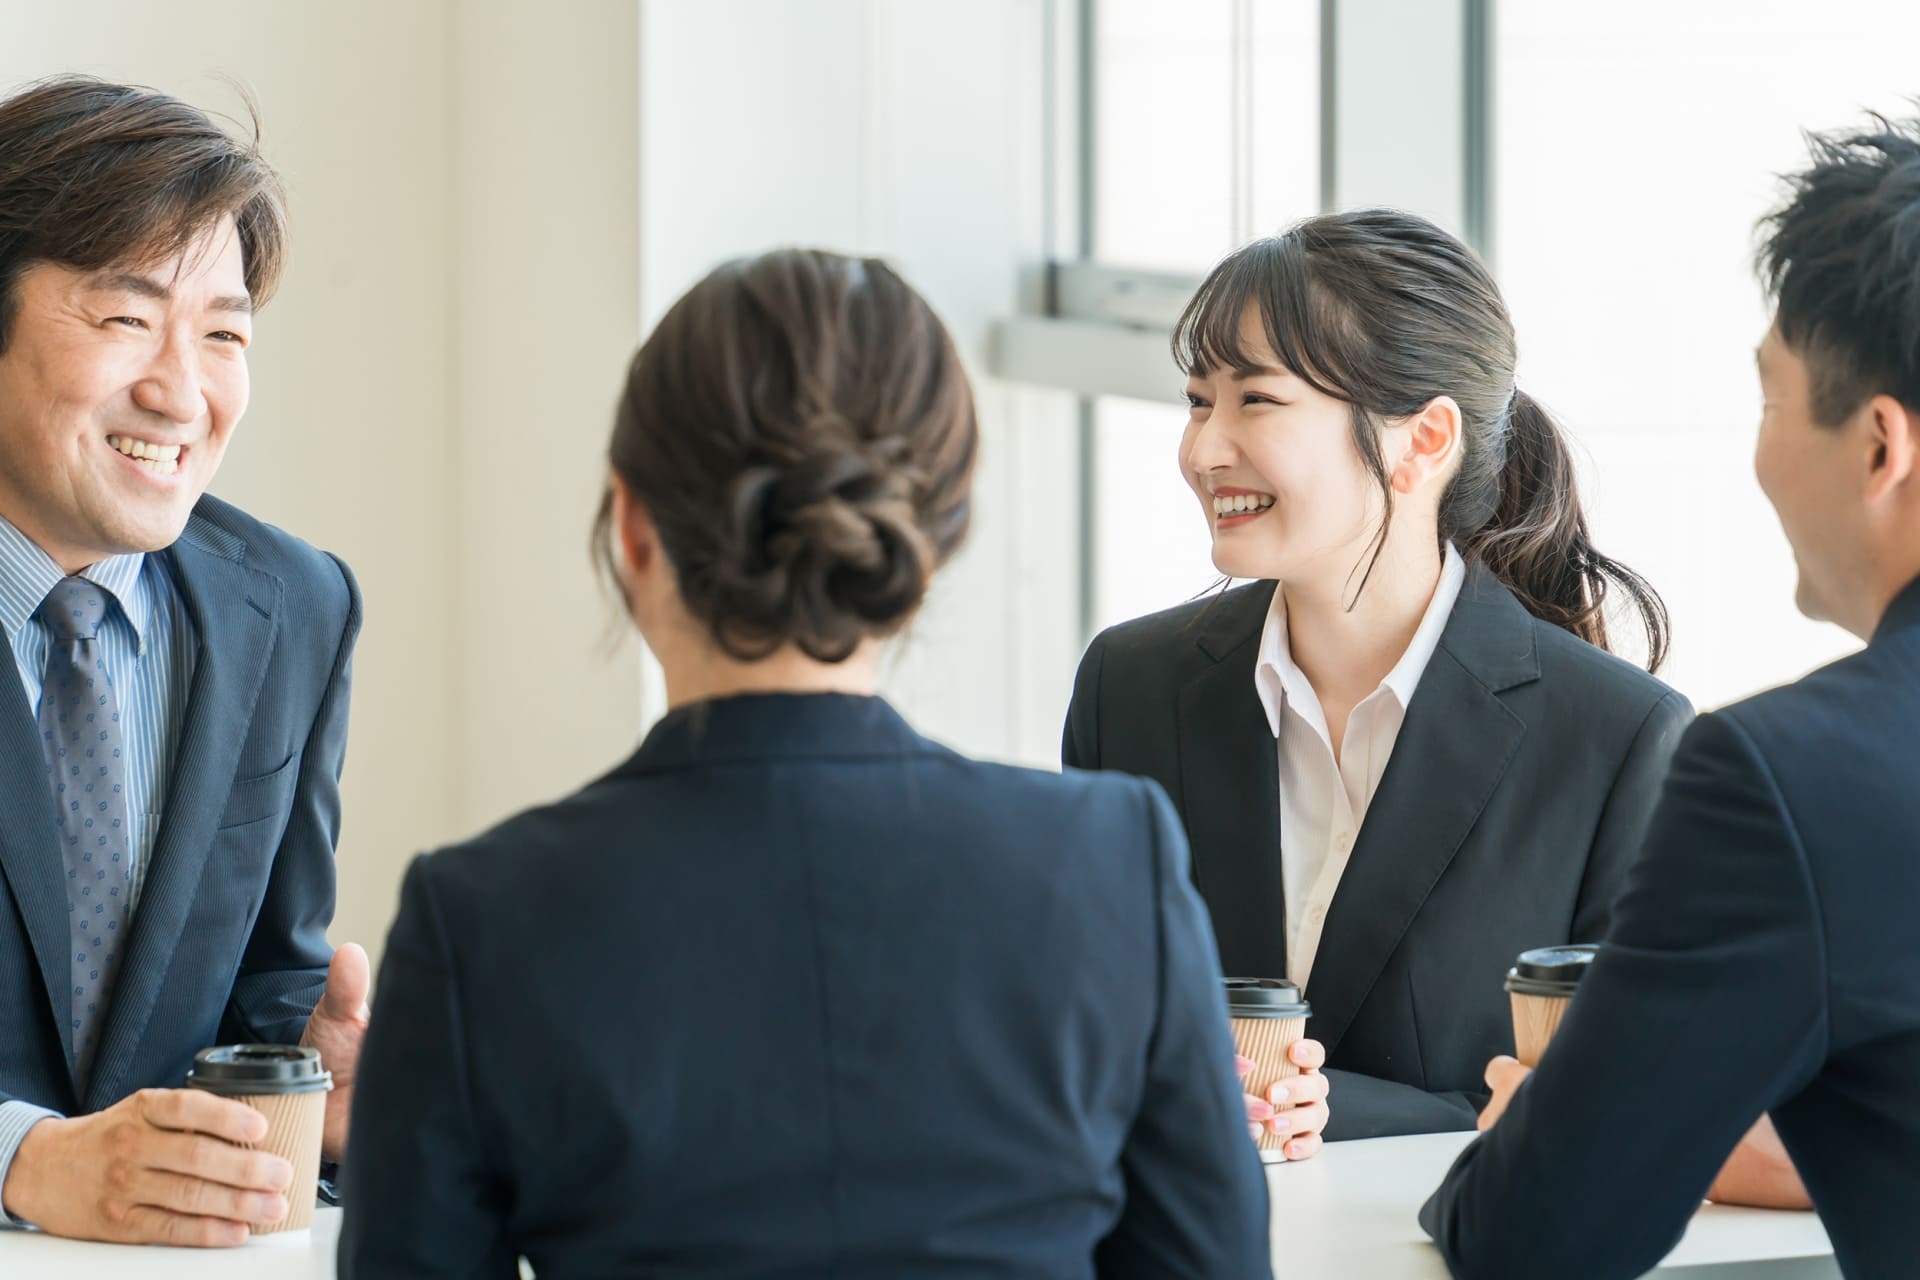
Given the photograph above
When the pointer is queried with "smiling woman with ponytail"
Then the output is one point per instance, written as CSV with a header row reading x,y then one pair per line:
x,y
1404,753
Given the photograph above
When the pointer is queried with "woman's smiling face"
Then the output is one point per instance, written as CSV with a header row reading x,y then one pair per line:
x,y
1273,463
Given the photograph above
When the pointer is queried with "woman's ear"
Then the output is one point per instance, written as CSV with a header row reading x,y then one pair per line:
x,y
636,543
1433,438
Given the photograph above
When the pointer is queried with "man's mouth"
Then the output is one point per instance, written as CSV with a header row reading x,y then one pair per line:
x,y
158,459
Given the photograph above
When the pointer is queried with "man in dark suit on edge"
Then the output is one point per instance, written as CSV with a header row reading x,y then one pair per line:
x,y
1764,958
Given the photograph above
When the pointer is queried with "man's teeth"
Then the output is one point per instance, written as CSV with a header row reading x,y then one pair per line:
x,y
161,459
1241,503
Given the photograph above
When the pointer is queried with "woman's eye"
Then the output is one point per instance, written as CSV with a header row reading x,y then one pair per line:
x,y
1196,401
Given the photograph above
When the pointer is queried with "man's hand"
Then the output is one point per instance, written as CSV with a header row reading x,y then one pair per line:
x,y
157,1168
338,1025
1760,1173
1504,1076
1296,1106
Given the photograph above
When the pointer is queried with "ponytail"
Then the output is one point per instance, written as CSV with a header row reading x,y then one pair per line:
x,y
1536,540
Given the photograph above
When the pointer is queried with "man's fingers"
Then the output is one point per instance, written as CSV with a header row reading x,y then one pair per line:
x,y
209,1160
193,1197
1308,1055
349,980
197,1111
1505,1073
146,1225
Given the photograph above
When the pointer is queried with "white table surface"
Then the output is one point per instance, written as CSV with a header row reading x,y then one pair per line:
x,y
1352,1212
1349,1213
290,1255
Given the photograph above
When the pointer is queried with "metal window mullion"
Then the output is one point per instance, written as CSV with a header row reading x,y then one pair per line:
x,y
1240,74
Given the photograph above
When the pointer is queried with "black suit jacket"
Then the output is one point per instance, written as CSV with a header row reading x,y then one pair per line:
x,y
229,937
795,992
1516,795
1765,958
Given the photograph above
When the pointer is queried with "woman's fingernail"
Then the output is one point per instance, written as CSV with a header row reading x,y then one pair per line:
x,y
1253,1131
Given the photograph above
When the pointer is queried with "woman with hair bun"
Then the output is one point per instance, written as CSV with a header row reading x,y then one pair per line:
x,y
794,991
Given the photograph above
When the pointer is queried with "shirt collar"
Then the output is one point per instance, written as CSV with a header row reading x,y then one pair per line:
x,y
27,574
1278,678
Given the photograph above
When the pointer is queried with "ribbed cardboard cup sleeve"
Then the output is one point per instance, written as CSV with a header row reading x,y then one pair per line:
x,y
1268,1041
1535,1019
295,1124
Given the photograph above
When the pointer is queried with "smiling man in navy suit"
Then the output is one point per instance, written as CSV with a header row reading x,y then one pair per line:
x,y
1763,958
173,704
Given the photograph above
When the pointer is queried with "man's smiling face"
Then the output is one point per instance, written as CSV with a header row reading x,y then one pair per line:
x,y
119,390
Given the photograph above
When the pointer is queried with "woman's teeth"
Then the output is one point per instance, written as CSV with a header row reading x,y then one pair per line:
x,y
1241,504
161,459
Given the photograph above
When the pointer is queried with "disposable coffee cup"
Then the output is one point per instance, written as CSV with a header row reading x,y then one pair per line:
x,y
287,1085
1541,985
1269,1017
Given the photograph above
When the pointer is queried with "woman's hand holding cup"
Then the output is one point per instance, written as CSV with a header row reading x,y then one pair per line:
x,y
1295,1108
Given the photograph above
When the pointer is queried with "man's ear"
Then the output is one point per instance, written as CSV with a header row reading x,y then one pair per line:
x,y
1891,447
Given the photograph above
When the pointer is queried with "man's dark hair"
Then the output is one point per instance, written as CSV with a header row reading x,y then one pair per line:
x,y
1841,259
93,174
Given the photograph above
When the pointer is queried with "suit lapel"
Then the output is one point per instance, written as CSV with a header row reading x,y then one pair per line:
x,y
1453,748
1230,789
30,856
234,610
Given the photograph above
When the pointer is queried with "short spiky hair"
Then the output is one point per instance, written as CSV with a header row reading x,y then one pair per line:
x,y
1841,259
93,174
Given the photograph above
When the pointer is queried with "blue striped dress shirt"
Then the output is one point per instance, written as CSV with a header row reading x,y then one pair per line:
x,y
148,647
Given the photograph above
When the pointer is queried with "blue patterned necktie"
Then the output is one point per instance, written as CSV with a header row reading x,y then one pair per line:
x,y
79,724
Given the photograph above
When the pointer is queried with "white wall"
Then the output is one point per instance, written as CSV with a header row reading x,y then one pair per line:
x,y
431,388
1637,144
546,312
916,132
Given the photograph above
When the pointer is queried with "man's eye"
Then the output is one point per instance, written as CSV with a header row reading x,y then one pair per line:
x,y
226,335
1196,401
131,322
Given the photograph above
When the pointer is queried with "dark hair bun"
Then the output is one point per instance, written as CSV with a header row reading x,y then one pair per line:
x,y
823,553
801,432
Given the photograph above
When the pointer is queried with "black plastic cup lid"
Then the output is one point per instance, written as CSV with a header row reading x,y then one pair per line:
x,y
1265,998
259,1068
1550,971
